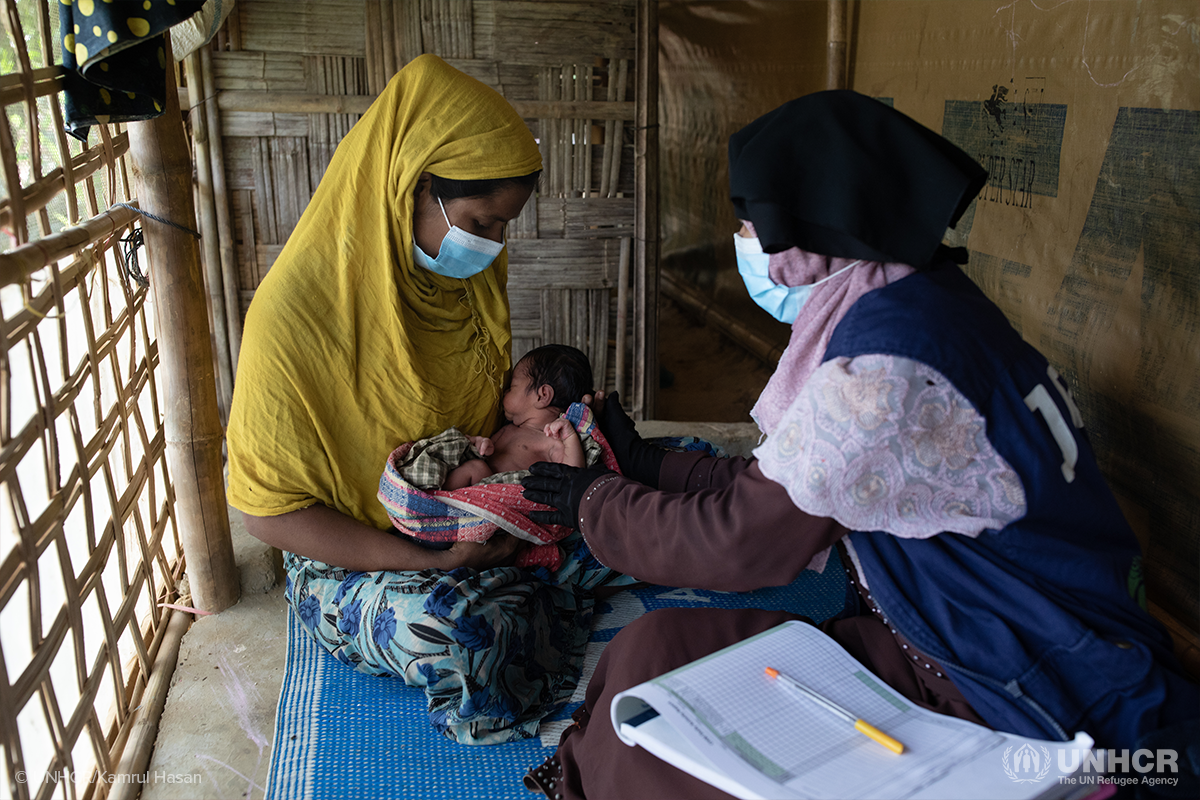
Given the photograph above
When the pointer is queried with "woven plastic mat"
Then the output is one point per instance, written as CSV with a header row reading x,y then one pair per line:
x,y
341,733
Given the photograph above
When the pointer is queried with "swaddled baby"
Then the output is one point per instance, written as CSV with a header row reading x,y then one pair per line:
x,y
544,382
423,482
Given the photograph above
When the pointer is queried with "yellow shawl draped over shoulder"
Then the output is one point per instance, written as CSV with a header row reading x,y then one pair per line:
x,y
351,349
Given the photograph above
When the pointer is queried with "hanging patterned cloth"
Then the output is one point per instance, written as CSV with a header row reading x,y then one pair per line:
x,y
115,59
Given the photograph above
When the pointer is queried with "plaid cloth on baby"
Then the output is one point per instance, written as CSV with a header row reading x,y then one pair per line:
x,y
475,513
429,461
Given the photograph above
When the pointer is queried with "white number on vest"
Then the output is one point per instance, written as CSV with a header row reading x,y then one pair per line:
x,y
1039,400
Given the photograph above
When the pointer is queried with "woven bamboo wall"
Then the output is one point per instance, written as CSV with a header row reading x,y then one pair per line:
x,y
89,550
290,78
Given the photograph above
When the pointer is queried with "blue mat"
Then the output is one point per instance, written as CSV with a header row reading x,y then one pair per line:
x,y
341,733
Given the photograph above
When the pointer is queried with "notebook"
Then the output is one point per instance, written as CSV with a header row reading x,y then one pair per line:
x,y
726,721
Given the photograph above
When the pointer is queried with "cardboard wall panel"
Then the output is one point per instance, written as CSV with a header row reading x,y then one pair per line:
x,y
1087,116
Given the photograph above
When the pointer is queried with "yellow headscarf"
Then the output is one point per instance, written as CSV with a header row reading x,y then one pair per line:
x,y
351,349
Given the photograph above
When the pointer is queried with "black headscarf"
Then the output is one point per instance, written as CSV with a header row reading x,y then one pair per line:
x,y
838,173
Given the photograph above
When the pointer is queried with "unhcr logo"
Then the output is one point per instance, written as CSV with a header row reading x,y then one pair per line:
x,y
1028,764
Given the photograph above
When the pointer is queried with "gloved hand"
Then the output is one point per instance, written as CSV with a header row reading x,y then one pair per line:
x,y
560,486
638,460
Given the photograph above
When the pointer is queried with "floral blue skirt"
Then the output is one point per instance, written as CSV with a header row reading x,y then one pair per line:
x,y
495,651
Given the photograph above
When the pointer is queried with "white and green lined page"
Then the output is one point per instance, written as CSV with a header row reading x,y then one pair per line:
x,y
724,720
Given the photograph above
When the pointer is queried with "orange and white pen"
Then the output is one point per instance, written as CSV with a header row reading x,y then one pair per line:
x,y
860,725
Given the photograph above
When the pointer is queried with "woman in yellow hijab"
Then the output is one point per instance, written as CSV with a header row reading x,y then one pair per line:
x,y
385,320
350,347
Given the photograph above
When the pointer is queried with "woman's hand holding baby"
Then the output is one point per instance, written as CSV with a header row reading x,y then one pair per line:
x,y
499,551
595,401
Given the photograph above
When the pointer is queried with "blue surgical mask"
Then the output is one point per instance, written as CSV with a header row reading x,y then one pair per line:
x,y
461,255
781,302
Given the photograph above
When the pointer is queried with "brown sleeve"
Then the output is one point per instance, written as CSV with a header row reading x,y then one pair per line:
x,y
745,535
691,472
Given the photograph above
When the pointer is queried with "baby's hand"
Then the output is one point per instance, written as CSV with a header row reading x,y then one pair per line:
x,y
567,447
482,444
560,429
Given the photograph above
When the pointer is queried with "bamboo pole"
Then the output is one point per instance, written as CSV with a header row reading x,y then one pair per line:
x,y
208,230
614,179
645,289
192,424
407,35
135,689
835,65
583,131
387,25
566,90
374,46
17,264
606,156
229,270
143,728
622,315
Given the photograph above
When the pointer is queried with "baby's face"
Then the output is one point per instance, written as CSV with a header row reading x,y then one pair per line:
x,y
520,399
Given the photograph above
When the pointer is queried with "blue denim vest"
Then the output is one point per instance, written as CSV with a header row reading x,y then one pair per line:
x,y
1034,622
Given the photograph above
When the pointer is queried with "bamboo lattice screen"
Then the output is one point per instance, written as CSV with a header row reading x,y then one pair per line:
x,y
89,548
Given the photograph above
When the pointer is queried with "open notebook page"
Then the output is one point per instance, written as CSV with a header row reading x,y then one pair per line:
x,y
761,739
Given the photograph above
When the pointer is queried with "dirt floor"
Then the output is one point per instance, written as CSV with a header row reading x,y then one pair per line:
x,y
704,376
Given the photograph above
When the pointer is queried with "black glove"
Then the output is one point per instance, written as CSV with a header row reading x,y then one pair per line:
x,y
559,486
637,459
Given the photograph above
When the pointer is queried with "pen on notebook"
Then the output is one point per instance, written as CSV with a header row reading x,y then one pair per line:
x,y
862,726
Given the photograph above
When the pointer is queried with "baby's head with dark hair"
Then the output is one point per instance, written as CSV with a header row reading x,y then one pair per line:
x,y
563,368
